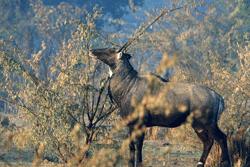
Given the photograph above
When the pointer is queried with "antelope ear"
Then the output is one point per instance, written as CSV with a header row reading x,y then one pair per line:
x,y
119,55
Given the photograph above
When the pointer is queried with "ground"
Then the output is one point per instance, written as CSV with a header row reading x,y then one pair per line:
x,y
156,154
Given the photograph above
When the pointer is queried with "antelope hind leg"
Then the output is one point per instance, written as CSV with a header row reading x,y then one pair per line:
x,y
207,141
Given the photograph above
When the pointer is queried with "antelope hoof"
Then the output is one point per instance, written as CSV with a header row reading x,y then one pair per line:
x,y
200,164
131,164
139,164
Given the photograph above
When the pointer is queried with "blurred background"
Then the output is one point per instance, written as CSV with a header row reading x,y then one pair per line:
x,y
49,89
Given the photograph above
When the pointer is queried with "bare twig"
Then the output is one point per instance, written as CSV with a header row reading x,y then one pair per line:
x,y
143,29
17,104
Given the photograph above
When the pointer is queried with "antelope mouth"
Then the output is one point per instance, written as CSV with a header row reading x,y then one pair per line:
x,y
91,54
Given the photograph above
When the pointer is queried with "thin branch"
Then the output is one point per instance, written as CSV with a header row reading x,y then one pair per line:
x,y
72,116
93,94
17,104
99,96
32,76
143,29
105,115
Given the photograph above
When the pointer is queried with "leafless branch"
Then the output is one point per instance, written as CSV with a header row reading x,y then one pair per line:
x,y
138,34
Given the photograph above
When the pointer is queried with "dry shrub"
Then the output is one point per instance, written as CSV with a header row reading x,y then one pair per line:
x,y
234,87
65,111
60,123
214,156
235,119
153,133
239,145
185,138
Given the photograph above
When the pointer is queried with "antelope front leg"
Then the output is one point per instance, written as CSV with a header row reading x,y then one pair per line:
x,y
131,162
139,144
132,154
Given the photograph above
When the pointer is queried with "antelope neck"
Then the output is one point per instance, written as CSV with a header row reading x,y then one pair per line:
x,y
123,78
123,70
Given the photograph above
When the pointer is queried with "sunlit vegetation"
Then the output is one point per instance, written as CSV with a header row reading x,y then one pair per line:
x,y
55,107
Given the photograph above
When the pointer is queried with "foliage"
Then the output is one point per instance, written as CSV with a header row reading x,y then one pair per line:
x,y
60,93
235,88
66,110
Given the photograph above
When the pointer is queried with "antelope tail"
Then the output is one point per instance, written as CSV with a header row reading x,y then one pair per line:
x,y
220,108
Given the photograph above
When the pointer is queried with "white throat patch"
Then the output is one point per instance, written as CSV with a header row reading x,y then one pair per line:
x,y
110,72
119,55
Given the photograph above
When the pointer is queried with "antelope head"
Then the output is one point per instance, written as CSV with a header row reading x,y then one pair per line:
x,y
110,56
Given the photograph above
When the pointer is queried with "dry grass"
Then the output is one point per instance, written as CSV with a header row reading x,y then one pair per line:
x,y
63,130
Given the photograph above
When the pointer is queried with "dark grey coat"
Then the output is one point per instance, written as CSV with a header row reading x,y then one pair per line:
x,y
126,83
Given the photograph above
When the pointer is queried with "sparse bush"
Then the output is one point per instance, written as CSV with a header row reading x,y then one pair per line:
x,y
235,88
60,94
67,110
